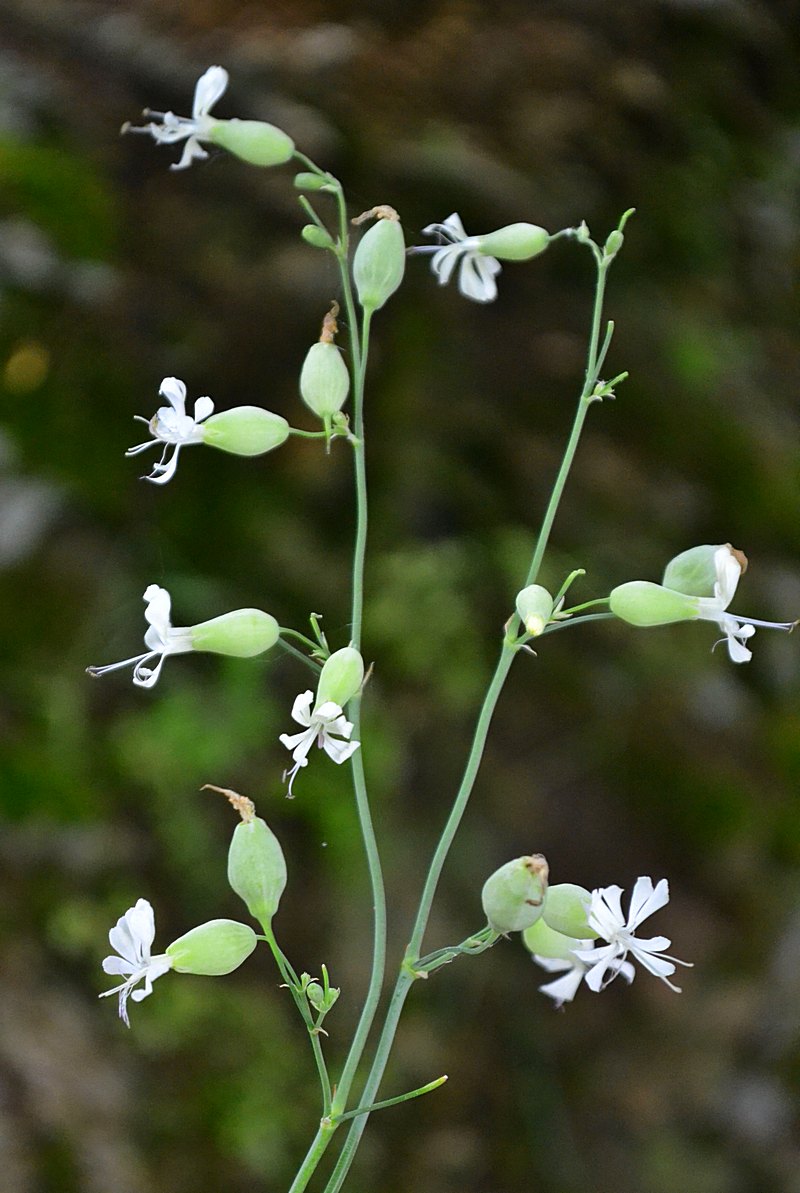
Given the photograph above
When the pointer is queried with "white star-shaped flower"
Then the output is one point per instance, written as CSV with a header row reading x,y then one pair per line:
x,y
476,271
132,938
573,970
173,427
161,639
608,921
210,87
326,726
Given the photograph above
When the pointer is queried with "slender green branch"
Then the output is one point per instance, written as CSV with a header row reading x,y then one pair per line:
x,y
414,1093
298,654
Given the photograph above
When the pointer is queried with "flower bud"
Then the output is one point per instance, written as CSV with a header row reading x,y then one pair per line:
x,y
694,572
380,260
241,633
324,380
319,1000
514,895
613,244
318,238
544,942
215,948
253,141
257,868
534,606
341,677
515,242
566,910
306,181
642,603
245,431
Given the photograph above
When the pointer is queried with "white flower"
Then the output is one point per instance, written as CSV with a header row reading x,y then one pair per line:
x,y
133,938
476,272
573,971
607,920
173,427
161,639
737,630
321,725
210,87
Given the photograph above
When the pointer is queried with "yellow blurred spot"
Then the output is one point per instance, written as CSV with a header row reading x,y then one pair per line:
x,y
27,367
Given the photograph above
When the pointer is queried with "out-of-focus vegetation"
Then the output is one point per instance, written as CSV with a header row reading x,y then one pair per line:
x,y
616,752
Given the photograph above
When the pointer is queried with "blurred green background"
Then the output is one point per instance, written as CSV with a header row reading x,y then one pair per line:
x,y
616,753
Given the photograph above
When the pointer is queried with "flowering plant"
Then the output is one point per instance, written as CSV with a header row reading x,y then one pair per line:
x,y
583,936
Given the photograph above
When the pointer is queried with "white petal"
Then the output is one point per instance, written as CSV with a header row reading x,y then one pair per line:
x,y
163,472
339,751
203,407
444,262
147,677
174,391
299,743
116,966
192,151
157,612
210,87
565,988
728,571
301,709
476,278
645,900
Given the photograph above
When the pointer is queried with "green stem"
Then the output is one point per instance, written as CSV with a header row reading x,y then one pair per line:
x,y
313,1156
414,1093
406,976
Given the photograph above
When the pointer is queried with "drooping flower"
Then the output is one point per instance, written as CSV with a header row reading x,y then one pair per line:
x,y
170,128
573,970
161,640
606,918
476,257
326,725
698,585
476,272
132,938
173,427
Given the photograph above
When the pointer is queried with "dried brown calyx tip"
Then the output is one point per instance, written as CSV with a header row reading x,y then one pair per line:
x,y
329,325
739,556
381,212
537,867
244,806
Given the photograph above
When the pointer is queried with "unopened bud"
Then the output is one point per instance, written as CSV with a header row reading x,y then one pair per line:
x,y
613,244
317,237
544,942
241,633
341,677
534,606
257,868
324,380
514,895
319,1000
245,431
253,141
380,259
213,949
306,181
566,910
642,603
515,242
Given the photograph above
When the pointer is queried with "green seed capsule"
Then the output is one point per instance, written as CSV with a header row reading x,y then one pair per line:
x,y
379,262
341,677
213,949
241,633
306,181
257,868
642,603
245,431
515,242
566,910
324,380
253,141
513,897
544,942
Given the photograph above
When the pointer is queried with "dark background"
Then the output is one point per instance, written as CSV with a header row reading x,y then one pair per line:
x,y
618,752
